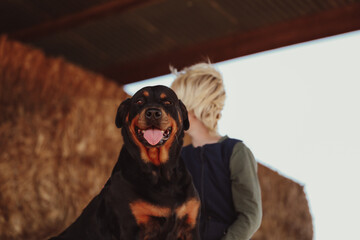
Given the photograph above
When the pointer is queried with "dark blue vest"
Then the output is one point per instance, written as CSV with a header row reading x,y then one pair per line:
x,y
209,167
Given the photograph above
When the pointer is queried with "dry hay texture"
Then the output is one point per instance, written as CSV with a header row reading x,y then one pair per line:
x,y
58,144
58,140
286,214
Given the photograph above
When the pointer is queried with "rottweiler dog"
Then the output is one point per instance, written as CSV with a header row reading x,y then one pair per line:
x,y
150,194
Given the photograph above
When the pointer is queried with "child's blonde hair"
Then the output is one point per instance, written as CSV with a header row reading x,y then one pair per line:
x,y
201,89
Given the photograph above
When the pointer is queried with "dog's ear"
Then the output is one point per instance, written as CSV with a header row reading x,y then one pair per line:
x,y
185,117
122,111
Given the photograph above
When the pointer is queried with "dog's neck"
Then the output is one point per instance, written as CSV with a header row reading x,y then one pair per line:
x,y
151,173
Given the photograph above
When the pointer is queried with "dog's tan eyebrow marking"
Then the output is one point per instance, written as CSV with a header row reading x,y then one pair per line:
x,y
163,95
146,93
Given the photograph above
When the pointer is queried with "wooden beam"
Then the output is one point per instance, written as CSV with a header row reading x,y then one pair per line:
x,y
322,24
72,20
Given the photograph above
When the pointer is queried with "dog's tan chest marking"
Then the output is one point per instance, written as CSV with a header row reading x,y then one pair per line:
x,y
190,209
153,154
143,211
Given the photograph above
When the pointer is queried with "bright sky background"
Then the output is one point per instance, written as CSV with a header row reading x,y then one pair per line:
x,y
298,109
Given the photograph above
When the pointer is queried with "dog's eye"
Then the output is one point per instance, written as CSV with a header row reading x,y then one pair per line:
x,y
139,102
167,102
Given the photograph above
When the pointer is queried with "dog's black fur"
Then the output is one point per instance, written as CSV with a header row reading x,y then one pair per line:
x,y
150,194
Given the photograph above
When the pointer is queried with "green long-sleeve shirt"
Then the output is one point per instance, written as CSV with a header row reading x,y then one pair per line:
x,y
246,194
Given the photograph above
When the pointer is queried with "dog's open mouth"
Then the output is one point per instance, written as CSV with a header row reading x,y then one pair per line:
x,y
153,136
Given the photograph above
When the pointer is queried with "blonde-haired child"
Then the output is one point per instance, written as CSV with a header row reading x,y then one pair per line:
x,y
224,170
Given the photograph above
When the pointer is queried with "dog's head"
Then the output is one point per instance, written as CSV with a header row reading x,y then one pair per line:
x,y
153,121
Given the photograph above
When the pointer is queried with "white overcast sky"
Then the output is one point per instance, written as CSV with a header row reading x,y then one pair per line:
x,y
298,109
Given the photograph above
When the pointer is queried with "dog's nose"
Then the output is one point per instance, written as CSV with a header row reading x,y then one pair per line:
x,y
153,113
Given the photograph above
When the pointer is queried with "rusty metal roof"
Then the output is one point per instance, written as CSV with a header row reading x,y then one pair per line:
x,y
131,40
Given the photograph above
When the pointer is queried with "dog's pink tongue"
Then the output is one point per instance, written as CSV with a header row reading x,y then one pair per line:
x,y
153,136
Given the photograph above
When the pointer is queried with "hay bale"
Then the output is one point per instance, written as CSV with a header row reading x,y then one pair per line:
x,y
58,144
286,213
58,140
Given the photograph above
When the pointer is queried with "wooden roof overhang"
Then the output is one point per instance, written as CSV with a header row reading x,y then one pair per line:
x,y
132,40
